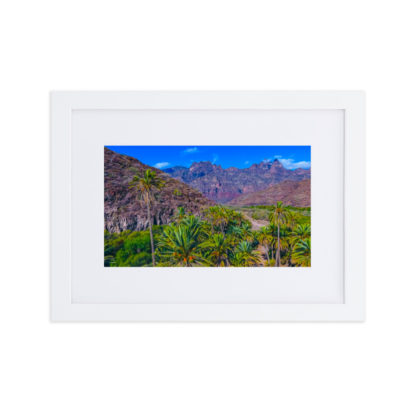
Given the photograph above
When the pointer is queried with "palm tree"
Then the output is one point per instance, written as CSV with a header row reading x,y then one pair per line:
x,y
235,231
194,223
298,233
180,245
245,256
146,186
302,253
265,239
287,243
218,247
246,231
291,219
302,231
271,230
218,216
278,217
237,217
180,214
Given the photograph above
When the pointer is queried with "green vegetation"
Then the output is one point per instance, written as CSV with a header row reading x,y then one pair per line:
x,y
262,212
219,237
146,187
129,248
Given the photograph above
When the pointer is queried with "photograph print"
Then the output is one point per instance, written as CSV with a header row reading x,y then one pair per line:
x,y
207,206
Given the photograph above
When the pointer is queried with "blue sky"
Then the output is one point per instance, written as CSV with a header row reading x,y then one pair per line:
x,y
163,157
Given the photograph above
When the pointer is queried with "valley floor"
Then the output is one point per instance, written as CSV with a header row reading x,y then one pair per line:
x,y
256,224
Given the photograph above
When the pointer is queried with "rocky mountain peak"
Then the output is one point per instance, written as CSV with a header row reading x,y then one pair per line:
x,y
269,163
223,185
202,166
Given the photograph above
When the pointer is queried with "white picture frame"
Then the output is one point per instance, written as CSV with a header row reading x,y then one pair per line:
x,y
63,307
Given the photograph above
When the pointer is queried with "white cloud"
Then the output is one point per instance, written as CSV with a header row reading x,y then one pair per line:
x,y
277,156
191,150
215,157
291,164
247,162
161,165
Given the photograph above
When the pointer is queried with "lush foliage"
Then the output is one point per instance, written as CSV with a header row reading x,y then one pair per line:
x,y
128,248
219,237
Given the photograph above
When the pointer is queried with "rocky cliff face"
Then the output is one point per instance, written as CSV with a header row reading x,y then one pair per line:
x,y
223,185
293,193
122,208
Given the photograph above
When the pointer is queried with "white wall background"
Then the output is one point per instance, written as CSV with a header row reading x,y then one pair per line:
x,y
207,369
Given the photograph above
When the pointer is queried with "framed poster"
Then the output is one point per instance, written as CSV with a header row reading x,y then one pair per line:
x,y
207,206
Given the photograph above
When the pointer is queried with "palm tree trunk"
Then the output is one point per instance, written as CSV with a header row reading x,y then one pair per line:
x,y
290,256
151,233
277,264
267,252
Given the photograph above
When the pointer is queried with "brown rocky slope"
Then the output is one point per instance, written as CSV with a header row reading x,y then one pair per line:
x,y
289,192
223,185
124,211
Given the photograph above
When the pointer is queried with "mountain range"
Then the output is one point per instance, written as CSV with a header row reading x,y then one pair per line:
x,y
227,185
123,210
